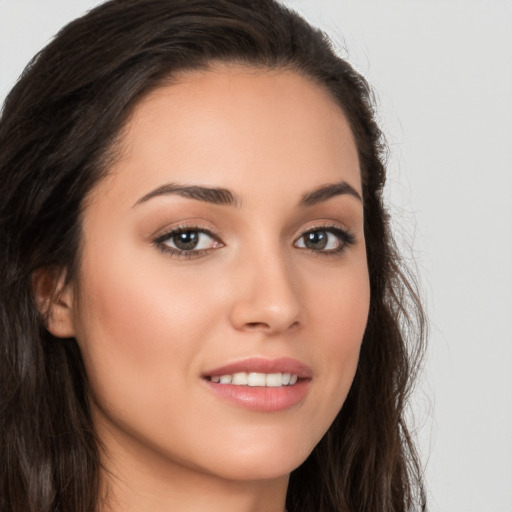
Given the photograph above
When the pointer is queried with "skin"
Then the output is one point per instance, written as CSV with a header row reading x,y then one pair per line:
x,y
150,323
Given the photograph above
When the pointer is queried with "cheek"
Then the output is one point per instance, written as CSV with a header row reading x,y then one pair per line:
x,y
142,335
138,332
141,313
341,315
340,306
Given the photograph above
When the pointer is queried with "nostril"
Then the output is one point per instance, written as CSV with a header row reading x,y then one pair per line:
x,y
263,326
257,325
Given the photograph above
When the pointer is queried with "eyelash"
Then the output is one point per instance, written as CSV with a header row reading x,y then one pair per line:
x,y
345,238
181,253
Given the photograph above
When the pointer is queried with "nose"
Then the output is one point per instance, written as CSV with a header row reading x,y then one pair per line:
x,y
266,295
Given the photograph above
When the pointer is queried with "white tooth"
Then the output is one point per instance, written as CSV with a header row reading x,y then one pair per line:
x,y
256,379
225,379
274,380
240,379
215,379
286,379
293,380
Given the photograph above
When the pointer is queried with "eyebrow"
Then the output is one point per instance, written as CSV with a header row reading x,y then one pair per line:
x,y
225,197
326,192
220,196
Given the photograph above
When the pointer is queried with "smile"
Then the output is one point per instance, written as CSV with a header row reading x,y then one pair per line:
x,y
259,384
255,379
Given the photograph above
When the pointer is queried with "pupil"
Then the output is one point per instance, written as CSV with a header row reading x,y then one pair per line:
x,y
186,240
316,240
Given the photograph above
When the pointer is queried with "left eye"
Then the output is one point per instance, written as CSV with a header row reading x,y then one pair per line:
x,y
326,240
188,240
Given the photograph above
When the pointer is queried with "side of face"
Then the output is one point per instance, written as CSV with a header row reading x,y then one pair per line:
x,y
176,283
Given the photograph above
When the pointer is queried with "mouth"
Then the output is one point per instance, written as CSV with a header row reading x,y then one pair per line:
x,y
260,384
256,379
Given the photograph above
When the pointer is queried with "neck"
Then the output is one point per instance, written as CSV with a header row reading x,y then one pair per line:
x,y
152,493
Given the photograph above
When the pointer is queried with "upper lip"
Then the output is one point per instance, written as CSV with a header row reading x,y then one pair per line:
x,y
262,365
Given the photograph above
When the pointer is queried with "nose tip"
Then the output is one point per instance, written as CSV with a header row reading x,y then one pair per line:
x,y
267,301
275,322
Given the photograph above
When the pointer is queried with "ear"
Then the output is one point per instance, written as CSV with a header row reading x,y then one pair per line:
x,y
54,300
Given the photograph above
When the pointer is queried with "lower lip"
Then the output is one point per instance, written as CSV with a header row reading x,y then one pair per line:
x,y
262,399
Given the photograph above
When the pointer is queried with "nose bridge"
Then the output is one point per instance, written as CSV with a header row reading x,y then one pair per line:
x,y
268,297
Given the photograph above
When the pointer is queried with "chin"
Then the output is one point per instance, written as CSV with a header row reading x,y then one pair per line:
x,y
260,459
259,469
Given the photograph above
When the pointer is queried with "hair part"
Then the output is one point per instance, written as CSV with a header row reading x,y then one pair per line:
x,y
58,138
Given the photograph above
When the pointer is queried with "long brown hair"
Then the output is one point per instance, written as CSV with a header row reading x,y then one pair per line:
x,y
58,135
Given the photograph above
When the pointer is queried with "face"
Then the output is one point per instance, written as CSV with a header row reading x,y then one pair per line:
x,y
223,290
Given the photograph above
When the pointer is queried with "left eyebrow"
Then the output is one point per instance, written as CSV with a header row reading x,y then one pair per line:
x,y
326,192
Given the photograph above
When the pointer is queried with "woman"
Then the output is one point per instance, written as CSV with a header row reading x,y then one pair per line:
x,y
202,307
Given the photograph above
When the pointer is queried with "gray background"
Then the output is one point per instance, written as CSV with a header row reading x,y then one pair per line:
x,y
442,71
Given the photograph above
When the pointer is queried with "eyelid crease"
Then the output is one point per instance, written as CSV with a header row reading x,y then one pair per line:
x,y
183,228
327,226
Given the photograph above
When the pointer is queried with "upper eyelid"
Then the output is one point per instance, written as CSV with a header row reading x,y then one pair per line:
x,y
332,229
330,226
161,233
324,227
166,232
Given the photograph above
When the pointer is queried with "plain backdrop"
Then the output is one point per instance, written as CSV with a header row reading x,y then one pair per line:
x,y
442,72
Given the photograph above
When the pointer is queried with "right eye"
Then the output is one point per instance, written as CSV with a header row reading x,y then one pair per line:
x,y
187,241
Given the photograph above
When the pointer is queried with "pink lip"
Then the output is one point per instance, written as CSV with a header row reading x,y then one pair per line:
x,y
262,399
260,365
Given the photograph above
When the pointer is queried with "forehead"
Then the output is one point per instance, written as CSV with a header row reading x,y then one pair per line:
x,y
238,127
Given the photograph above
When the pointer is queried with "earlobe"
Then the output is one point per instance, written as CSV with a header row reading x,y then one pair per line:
x,y
54,300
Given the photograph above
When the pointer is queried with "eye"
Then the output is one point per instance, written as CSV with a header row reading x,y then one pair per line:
x,y
187,241
327,240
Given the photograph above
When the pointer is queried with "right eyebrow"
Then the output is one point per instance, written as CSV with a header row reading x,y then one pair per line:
x,y
213,195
